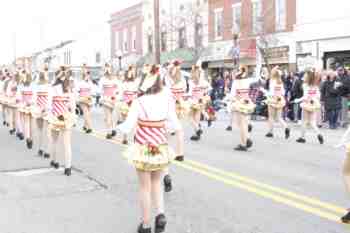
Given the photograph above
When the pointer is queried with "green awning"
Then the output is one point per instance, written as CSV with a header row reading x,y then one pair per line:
x,y
185,55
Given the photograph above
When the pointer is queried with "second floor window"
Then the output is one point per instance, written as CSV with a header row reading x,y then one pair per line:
x,y
133,32
198,37
98,57
218,23
281,15
182,37
257,17
236,18
125,41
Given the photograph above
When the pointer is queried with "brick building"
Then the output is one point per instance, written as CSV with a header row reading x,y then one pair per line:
x,y
271,21
126,34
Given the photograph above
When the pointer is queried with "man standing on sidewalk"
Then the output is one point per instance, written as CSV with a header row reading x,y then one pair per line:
x,y
344,79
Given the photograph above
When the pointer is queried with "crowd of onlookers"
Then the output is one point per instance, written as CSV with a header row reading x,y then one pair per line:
x,y
334,87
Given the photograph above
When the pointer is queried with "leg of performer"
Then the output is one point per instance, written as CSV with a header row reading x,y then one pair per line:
x,y
52,146
271,112
19,124
67,145
305,122
12,116
313,122
196,126
158,200
28,131
87,118
145,198
45,142
229,128
346,176
242,123
40,131
283,123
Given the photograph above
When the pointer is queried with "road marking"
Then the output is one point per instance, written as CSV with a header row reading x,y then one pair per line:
x,y
309,200
261,189
265,194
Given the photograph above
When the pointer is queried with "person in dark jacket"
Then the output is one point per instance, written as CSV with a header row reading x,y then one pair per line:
x,y
330,95
344,90
296,93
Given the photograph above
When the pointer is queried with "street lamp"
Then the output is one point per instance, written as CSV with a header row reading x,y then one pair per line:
x,y
119,55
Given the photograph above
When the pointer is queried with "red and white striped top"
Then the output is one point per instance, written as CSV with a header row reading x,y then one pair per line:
x,y
27,97
197,93
177,93
42,99
278,90
60,105
85,92
151,133
242,93
109,90
129,96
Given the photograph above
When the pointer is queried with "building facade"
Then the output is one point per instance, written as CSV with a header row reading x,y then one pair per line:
x,y
323,36
127,30
264,29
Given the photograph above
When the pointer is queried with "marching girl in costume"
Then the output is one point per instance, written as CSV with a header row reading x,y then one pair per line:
x,y
276,103
150,152
12,100
6,109
25,108
61,118
39,111
198,91
84,91
242,106
129,91
110,91
310,104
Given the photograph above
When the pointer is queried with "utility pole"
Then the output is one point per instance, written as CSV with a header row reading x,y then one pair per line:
x,y
156,32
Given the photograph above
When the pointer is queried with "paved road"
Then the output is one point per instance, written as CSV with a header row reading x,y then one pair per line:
x,y
277,187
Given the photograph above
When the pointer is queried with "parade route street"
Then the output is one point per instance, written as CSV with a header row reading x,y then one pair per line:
x,y
277,187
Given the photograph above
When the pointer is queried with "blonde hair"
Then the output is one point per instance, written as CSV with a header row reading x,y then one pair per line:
x,y
276,75
311,78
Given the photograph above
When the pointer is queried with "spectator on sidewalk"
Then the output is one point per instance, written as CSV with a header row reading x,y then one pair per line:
x,y
296,93
330,95
344,89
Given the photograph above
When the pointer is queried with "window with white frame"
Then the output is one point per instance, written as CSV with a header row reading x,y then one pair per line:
x,y
218,23
257,16
133,36
125,40
281,14
236,18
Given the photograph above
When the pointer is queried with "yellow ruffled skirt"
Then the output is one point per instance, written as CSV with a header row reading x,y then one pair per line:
x,y
143,159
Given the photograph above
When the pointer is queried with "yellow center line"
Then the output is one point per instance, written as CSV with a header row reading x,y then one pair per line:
x,y
301,202
309,200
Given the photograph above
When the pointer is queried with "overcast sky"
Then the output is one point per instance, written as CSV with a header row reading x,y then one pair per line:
x,y
30,25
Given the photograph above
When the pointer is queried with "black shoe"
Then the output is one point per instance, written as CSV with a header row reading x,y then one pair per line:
x,y
180,158
4,123
114,133
173,134
250,128
199,132
46,155
109,136
40,153
160,223
20,136
54,164
320,139
7,124
269,135
68,171
229,128
249,143
140,229
346,218
195,138
29,144
167,184
88,131
287,133
210,122
12,131
84,128
241,148
125,142
301,140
